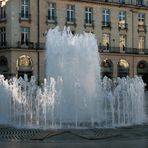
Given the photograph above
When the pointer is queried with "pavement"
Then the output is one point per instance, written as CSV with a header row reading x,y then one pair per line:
x,y
127,137
124,137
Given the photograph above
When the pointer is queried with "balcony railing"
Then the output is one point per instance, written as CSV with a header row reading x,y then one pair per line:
x,y
28,45
142,28
89,23
70,21
3,18
24,17
51,20
132,2
3,45
122,26
126,50
106,25
40,46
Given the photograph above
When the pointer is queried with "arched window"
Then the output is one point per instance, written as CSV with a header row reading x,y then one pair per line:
x,y
24,66
3,64
142,70
107,68
123,68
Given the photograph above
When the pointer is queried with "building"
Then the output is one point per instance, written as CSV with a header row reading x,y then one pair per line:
x,y
120,27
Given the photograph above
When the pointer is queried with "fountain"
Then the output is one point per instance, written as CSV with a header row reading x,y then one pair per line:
x,y
73,94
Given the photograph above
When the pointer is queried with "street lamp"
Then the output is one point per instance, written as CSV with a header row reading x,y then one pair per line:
x,y
3,3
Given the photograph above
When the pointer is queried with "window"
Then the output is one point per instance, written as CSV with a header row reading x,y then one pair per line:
x,y
106,17
25,9
122,1
122,43
71,13
25,36
106,41
88,15
52,12
141,18
2,13
141,43
123,68
107,68
2,36
140,2
24,66
122,19
4,66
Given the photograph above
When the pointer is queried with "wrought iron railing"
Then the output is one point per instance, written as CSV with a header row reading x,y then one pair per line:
x,y
51,19
142,28
28,45
3,18
89,23
70,21
3,45
122,26
24,17
106,25
103,49
126,2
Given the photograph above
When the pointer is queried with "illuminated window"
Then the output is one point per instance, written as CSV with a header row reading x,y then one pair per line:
x,y
122,43
123,68
122,19
106,40
24,61
25,31
141,43
24,66
107,68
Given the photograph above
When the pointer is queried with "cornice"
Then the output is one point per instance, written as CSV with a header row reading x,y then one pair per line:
x,y
116,4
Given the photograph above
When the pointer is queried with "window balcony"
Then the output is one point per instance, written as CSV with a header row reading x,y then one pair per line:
x,y
106,25
24,17
3,18
27,45
122,26
142,28
124,3
70,21
89,23
51,20
126,50
3,45
40,46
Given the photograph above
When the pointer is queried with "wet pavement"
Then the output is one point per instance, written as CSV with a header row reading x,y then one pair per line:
x,y
127,137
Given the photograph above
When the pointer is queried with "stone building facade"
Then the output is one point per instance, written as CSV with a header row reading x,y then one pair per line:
x,y
120,27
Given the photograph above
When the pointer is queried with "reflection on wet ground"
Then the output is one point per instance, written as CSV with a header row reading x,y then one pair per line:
x,y
130,137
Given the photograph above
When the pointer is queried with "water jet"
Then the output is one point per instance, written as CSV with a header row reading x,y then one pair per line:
x,y
73,94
